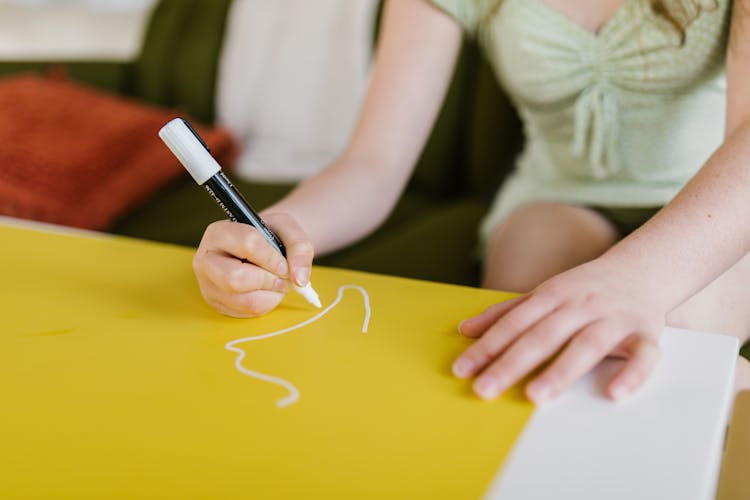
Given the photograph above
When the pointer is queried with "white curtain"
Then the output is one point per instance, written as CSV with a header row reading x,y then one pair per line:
x,y
291,79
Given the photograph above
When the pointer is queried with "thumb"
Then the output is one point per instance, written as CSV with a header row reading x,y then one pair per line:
x,y
299,248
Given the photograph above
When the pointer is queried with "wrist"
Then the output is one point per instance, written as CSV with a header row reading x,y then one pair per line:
x,y
641,278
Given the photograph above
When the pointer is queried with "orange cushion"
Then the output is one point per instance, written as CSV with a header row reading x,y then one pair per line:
x,y
76,156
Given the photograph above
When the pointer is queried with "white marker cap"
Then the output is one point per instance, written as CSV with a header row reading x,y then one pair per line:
x,y
191,152
309,294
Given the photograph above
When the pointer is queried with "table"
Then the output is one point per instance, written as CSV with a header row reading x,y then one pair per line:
x,y
664,443
735,480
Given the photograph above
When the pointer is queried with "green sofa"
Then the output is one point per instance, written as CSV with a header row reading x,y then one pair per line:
x,y
431,234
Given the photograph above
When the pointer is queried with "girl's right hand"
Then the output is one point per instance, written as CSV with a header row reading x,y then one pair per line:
x,y
240,274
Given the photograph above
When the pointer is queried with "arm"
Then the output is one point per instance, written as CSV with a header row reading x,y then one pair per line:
x,y
349,199
413,65
617,304
713,206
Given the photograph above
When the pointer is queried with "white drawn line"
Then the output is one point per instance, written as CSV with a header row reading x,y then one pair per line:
x,y
293,392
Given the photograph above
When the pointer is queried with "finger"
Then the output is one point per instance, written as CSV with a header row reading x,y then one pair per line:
x,y
243,242
583,353
234,276
475,326
645,355
215,298
299,248
500,335
534,347
245,305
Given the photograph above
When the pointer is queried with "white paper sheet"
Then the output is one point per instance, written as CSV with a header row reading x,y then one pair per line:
x,y
664,443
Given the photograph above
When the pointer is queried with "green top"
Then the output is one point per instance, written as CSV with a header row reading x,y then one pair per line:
x,y
619,118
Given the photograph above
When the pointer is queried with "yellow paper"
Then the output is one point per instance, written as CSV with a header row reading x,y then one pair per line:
x,y
116,383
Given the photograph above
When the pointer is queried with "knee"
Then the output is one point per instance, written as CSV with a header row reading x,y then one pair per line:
x,y
532,222
525,231
698,315
719,308
515,251
499,275
537,241
682,318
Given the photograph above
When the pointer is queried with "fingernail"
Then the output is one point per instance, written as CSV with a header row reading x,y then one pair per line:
x,y
462,368
460,326
486,388
282,269
539,392
302,276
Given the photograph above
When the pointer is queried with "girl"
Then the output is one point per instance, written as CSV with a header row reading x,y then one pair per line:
x,y
623,104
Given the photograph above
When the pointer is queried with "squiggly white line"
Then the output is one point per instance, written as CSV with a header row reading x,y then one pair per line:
x,y
293,392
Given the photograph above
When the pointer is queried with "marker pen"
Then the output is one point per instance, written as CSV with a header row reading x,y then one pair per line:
x,y
193,153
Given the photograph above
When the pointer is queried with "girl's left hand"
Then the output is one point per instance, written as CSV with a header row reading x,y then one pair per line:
x,y
574,319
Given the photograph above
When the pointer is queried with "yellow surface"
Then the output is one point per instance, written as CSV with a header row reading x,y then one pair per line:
x,y
115,383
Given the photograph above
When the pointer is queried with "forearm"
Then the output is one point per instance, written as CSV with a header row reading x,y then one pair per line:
x,y
697,236
342,204
705,229
414,61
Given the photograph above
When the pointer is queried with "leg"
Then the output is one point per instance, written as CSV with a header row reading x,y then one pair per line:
x,y
721,307
541,240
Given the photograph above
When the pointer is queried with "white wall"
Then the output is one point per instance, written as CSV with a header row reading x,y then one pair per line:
x,y
72,29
